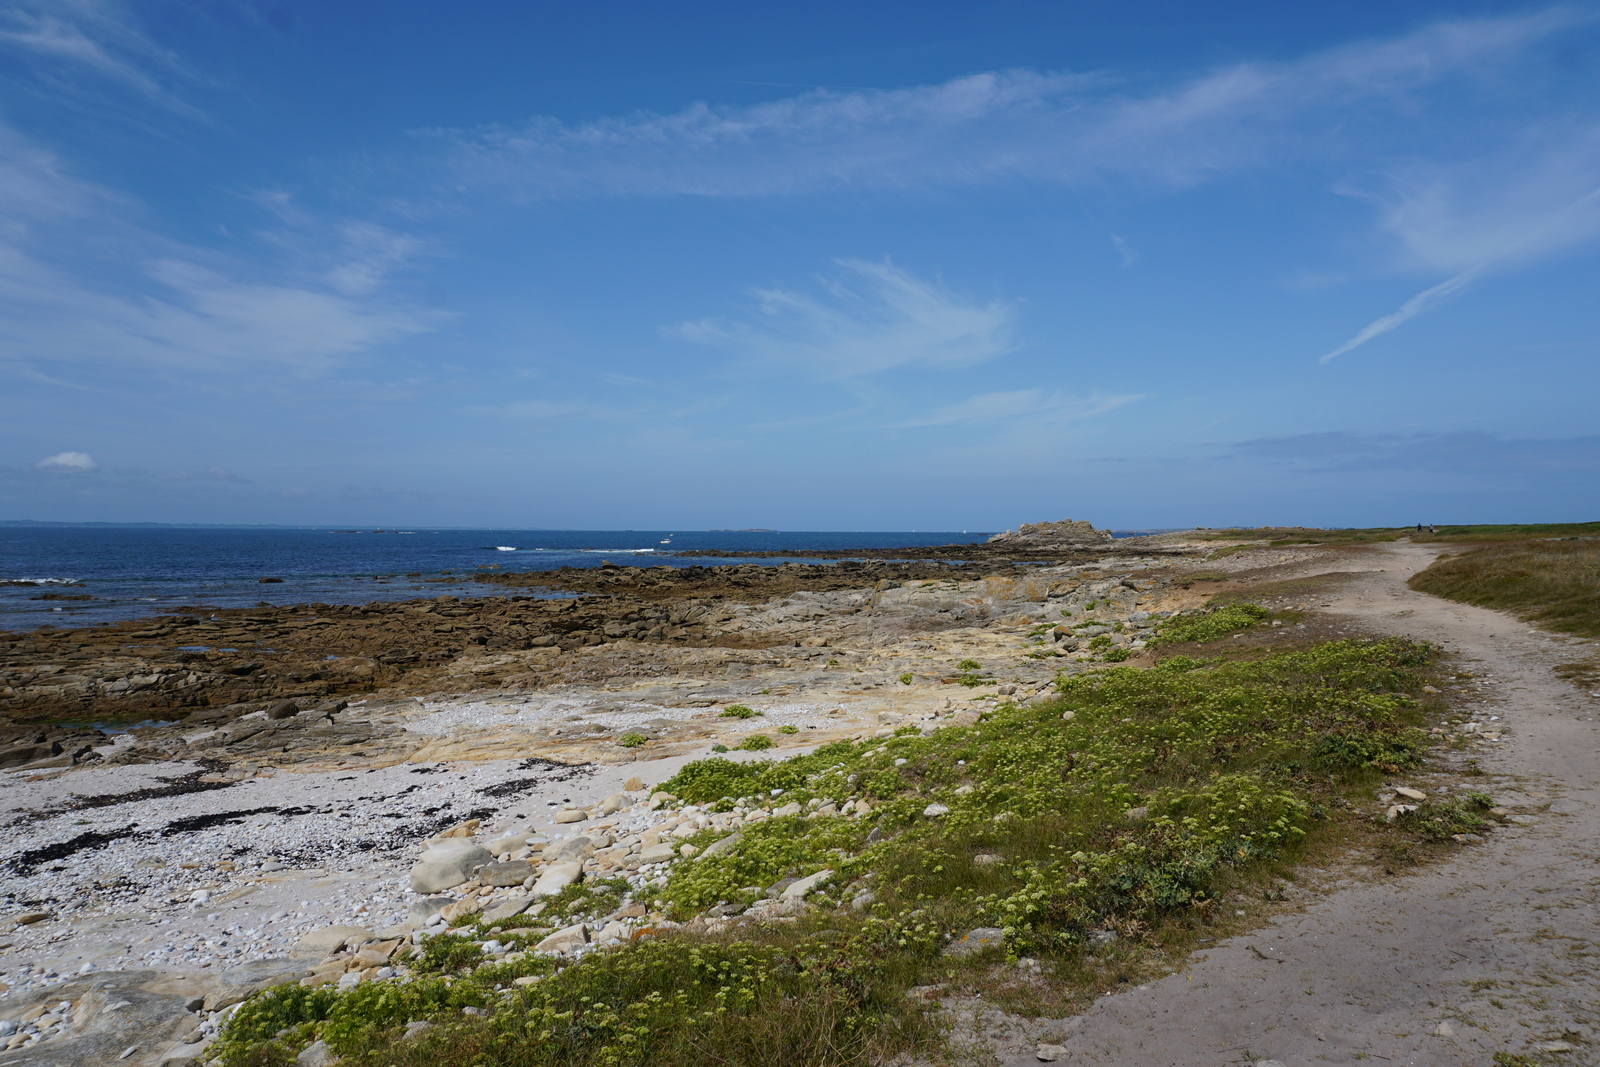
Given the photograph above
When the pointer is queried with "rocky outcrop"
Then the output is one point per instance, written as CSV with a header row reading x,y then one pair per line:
x,y
1064,534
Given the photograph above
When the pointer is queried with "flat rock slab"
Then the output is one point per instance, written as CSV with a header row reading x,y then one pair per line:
x,y
112,1011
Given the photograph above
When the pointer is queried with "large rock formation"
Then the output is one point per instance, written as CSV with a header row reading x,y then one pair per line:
x,y
1065,533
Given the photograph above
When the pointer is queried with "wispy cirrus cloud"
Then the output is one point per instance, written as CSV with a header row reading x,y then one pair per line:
x,y
1020,404
1058,127
873,318
80,284
62,40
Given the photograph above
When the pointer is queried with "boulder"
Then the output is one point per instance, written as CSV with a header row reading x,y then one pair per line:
x,y
564,940
556,878
614,803
447,866
718,847
505,909
797,890
570,815
976,941
317,1054
283,709
657,854
423,912
513,872
579,848
328,940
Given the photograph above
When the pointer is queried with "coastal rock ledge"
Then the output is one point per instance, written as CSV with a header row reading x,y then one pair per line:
x,y
1053,534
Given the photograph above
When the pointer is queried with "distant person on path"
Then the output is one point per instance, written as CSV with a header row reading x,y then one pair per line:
x,y
1431,529
1419,527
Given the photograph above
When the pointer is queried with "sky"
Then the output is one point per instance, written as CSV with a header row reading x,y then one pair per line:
x,y
819,265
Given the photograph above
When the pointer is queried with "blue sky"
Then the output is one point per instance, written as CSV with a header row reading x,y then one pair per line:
x,y
799,265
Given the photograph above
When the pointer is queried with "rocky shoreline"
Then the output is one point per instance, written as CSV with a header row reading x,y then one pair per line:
x,y
326,754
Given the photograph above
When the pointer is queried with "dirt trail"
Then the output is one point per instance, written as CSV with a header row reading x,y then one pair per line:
x,y
1490,952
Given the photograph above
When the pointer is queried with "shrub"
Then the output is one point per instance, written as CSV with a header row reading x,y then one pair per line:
x,y
1208,625
632,740
969,665
756,742
788,728
907,678
738,711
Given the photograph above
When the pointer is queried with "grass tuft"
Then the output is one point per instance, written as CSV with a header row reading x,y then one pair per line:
x,y
1553,583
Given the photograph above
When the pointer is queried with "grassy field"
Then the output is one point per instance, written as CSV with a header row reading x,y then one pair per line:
x,y
1297,535
1105,831
1553,583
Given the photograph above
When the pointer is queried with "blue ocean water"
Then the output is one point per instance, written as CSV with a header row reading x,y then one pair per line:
x,y
133,571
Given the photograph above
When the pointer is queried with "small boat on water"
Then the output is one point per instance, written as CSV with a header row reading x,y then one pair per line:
x,y
505,548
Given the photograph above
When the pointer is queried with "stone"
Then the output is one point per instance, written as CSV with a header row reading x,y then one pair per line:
x,y
797,890
934,811
328,940
283,709
507,874
1267,1063
1050,1053
444,867
579,848
1411,794
239,981
688,852
864,899
416,1029
570,815
1444,1029
657,854
460,829
564,940
634,784
721,845
791,808
316,1054
423,912
556,878
1565,807
28,918
614,803
1138,814
976,940
461,909
1555,1046
509,843
505,909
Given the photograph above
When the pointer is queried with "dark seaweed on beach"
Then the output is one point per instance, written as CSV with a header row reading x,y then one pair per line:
x,y
554,772
205,822
27,861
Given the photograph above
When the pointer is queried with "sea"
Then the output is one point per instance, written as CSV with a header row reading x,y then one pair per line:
x,y
111,573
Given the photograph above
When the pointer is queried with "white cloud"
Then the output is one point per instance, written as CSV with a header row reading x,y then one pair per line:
x,y
878,317
79,284
1021,403
997,125
98,37
68,461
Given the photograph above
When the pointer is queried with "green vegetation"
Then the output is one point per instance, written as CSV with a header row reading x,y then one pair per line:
x,y
1137,802
1299,535
738,711
632,740
788,728
907,678
969,665
756,742
1208,625
1553,583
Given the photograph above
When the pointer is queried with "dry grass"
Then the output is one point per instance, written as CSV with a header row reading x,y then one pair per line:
x,y
1553,583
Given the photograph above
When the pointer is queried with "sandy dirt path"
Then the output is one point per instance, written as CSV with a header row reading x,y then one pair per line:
x,y
1492,951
